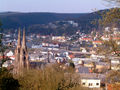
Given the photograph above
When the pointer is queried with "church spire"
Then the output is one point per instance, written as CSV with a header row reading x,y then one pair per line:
x,y
24,40
17,53
19,39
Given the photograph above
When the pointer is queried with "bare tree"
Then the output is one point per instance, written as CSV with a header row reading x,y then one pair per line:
x,y
114,2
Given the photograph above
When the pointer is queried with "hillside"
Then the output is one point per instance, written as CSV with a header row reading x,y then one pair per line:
x,y
39,22
15,19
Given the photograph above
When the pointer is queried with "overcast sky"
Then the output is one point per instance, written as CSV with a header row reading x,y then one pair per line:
x,y
60,6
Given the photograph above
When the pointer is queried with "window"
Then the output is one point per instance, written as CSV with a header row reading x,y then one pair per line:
x,y
24,52
97,83
90,84
24,58
18,50
83,83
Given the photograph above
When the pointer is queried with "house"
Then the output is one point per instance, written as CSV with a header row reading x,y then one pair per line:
x,y
36,57
107,29
102,66
105,38
97,56
45,44
59,38
116,31
97,42
36,46
91,82
115,61
85,39
7,63
10,55
82,69
71,56
84,50
115,67
116,38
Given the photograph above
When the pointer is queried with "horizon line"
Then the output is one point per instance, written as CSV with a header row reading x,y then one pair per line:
x,y
48,11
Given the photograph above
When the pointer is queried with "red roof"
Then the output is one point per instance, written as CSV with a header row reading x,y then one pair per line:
x,y
88,39
116,38
99,42
71,56
1,57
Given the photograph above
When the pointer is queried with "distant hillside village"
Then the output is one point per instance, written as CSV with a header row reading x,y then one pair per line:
x,y
85,51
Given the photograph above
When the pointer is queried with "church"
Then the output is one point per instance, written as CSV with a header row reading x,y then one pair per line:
x,y
21,54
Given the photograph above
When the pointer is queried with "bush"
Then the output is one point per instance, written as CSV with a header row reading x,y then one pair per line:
x,y
50,78
7,82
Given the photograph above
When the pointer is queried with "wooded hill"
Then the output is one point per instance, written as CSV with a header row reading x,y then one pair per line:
x,y
39,22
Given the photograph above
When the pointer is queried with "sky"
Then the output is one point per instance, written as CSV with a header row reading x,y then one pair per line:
x,y
58,6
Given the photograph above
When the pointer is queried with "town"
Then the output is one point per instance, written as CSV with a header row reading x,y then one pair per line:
x,y
88,53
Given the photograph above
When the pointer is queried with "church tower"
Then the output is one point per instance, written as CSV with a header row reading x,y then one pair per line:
x,y
21,55
17,53
24,62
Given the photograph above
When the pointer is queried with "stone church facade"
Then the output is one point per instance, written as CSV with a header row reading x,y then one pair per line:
x,y
21,55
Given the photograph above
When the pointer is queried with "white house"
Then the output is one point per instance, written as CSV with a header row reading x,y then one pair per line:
x,y
90,83
115,64
105,38
10,53
115,67
7,63
84,50
97,56
107,29
115,61
59,38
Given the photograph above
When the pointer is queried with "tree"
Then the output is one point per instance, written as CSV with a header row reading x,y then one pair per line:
x,y
2,47
50,78
7,82
109,47
113,77
114,2
71,64
93,66
111,18
112,15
